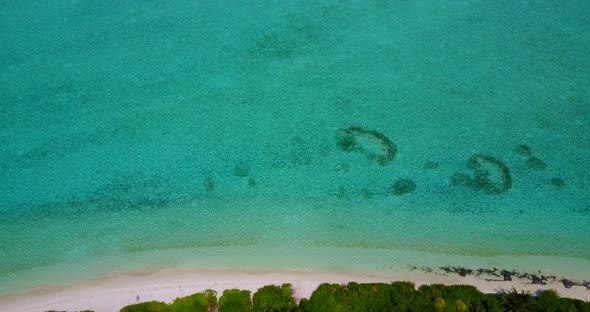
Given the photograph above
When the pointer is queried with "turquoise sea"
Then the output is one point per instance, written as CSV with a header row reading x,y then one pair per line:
x,y
350,136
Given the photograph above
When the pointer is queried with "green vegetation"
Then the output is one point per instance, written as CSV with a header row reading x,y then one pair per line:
x,y
66,311
235,300
402,296
151,306
360,297
200,302
354,297
274,298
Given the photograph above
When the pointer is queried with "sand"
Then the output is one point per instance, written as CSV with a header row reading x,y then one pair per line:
x,y
111,293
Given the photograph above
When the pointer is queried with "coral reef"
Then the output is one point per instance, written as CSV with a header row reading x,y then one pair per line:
x,y
490,175
403,186
372,144
533,162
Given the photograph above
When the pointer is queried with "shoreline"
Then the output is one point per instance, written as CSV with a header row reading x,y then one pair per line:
x,y
113,292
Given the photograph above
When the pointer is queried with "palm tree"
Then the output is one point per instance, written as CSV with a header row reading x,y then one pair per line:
x,y
513,301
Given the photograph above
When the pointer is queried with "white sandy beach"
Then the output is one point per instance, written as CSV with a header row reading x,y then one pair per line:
x,y
111,293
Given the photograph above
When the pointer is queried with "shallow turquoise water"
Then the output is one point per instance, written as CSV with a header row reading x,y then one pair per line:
x,y
139,135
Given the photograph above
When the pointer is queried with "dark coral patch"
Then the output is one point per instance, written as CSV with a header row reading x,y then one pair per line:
x,y
489,175
366,193
373,144
536,163
460,179
209,184
274,46
523,149
403,186
343,167
241,170
346,142
431,165
558,182
342,193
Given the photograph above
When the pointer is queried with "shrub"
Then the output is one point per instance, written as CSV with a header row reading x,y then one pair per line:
x,y
404,295
550,301
365,297
151,306
371,297
469,296
211,298
439,304
274,298
201,302
327,298
460,305
235,300
354,297
303,305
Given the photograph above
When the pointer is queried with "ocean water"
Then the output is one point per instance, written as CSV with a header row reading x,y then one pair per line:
x,y
353,136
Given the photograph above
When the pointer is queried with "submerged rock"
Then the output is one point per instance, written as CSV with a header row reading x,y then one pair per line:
x,y
372,144
458,270
567,283
484,271
537,280
507,275
464,272
489,175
